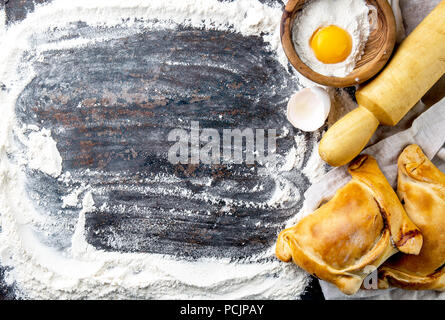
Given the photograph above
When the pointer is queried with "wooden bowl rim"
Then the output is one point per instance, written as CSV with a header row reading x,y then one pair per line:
x,y
363,73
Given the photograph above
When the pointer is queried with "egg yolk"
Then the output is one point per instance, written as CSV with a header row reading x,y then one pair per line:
x,y
331,44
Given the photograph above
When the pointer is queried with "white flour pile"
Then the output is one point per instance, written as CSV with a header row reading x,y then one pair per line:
x,y
41,271
43,154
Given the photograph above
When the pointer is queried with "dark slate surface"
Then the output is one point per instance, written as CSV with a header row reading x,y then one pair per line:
x,y
132,92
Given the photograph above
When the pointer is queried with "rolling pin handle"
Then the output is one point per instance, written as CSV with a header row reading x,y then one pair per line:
x,y
347,137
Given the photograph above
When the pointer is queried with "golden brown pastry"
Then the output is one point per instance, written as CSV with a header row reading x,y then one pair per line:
x,y
356,231
421,187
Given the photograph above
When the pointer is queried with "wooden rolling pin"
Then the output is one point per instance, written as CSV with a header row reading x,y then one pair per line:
x,y
416,66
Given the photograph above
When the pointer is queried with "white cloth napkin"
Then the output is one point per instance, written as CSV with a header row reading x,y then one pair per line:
x,y
428,131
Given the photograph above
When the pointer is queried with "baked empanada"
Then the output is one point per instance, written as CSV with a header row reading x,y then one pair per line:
x,y
421,188
352,234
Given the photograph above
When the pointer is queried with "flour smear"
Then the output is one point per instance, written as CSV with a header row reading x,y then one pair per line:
x,y
38,270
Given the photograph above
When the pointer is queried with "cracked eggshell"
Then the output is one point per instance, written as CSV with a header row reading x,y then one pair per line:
x,y
309,108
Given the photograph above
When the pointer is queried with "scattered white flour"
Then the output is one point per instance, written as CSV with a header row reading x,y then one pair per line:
x,y
282,193
2,22
43,154
79,246
72,199
39,270
315,167
350,15
292,158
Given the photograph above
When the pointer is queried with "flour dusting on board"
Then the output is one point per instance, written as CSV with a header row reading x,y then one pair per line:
x,y
38,269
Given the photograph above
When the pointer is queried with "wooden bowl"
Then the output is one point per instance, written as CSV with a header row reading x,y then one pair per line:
x,y
377,50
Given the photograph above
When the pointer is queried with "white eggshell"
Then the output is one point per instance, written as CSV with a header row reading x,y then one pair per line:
x,y
309,108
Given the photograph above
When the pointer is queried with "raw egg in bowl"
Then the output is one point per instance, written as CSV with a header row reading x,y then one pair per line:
x,y
338,43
